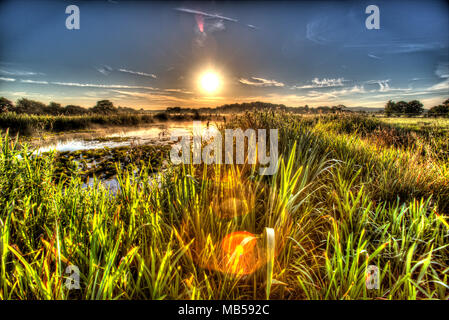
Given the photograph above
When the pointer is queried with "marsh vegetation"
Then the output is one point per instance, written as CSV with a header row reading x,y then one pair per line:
x,y
350,191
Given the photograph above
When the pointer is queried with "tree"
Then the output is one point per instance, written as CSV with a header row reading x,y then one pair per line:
x,y
173,110
104,107
446,103
29,106
390,108
441,110
5,105
54,108
401,107
414,108
74,110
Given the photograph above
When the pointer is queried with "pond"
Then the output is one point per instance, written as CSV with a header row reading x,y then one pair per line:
x,y
111,143
111,137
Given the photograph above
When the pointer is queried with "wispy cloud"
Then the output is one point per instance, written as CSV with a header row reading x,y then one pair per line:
x,y
317,30
442,86
178,91
7,79
20,73
93,85
322,83
442,70
138,73
383,84
208,23
102,86
33,81
374,56
153,97
105,70
394,47
261,82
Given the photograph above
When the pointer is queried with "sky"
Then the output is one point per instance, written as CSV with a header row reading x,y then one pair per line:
x,y
151,55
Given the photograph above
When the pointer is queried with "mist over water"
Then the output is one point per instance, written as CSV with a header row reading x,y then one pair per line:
x,y
112,137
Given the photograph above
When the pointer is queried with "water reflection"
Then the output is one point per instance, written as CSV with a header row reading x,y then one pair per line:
x,y
112,137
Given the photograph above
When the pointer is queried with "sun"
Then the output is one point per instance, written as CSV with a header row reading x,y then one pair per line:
x,y
210,82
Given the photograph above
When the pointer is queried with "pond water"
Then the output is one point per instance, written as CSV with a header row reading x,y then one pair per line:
x,y
112,137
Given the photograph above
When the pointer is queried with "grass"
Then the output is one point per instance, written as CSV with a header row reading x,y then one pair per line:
x,y
28,124
345,197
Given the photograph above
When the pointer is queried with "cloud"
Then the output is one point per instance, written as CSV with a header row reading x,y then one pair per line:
x,y
102,86
205,14
322,83
20,73
383,84
7,79
317,30
93,85
138,73
153,97
105,70
260,82
178,91
33,81
354,89
208,23
444,85
395,47
374,56
442,70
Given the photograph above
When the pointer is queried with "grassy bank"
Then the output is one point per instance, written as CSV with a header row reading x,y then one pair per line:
x,y
346,195
28,124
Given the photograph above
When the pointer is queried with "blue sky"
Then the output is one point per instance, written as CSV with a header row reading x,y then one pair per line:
x,y
146,54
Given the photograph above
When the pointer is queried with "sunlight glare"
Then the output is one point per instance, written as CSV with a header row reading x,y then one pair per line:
x,y
210,82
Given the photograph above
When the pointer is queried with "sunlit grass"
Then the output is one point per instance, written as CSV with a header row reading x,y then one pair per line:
x,y
339,202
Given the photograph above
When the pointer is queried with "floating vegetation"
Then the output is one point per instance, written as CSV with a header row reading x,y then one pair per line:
x,y
103,163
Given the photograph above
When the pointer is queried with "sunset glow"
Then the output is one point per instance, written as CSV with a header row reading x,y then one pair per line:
x,y
210,82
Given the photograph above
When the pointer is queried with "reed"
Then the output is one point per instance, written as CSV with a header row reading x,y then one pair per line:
x,y
339,202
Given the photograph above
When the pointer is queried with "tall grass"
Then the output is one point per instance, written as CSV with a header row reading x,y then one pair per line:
x,y
26,124
337,204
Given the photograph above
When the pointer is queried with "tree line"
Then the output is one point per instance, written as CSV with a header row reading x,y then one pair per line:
x,y
257,105
106,107
415,108
103,107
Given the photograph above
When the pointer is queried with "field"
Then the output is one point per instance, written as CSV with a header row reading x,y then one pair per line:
x,y
350,192
418,123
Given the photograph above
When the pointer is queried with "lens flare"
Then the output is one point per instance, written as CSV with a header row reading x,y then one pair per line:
x,y
200,22
239,250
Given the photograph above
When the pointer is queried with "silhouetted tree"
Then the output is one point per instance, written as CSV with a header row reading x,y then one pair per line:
x,y
74,110
54,109
29,106
104,107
